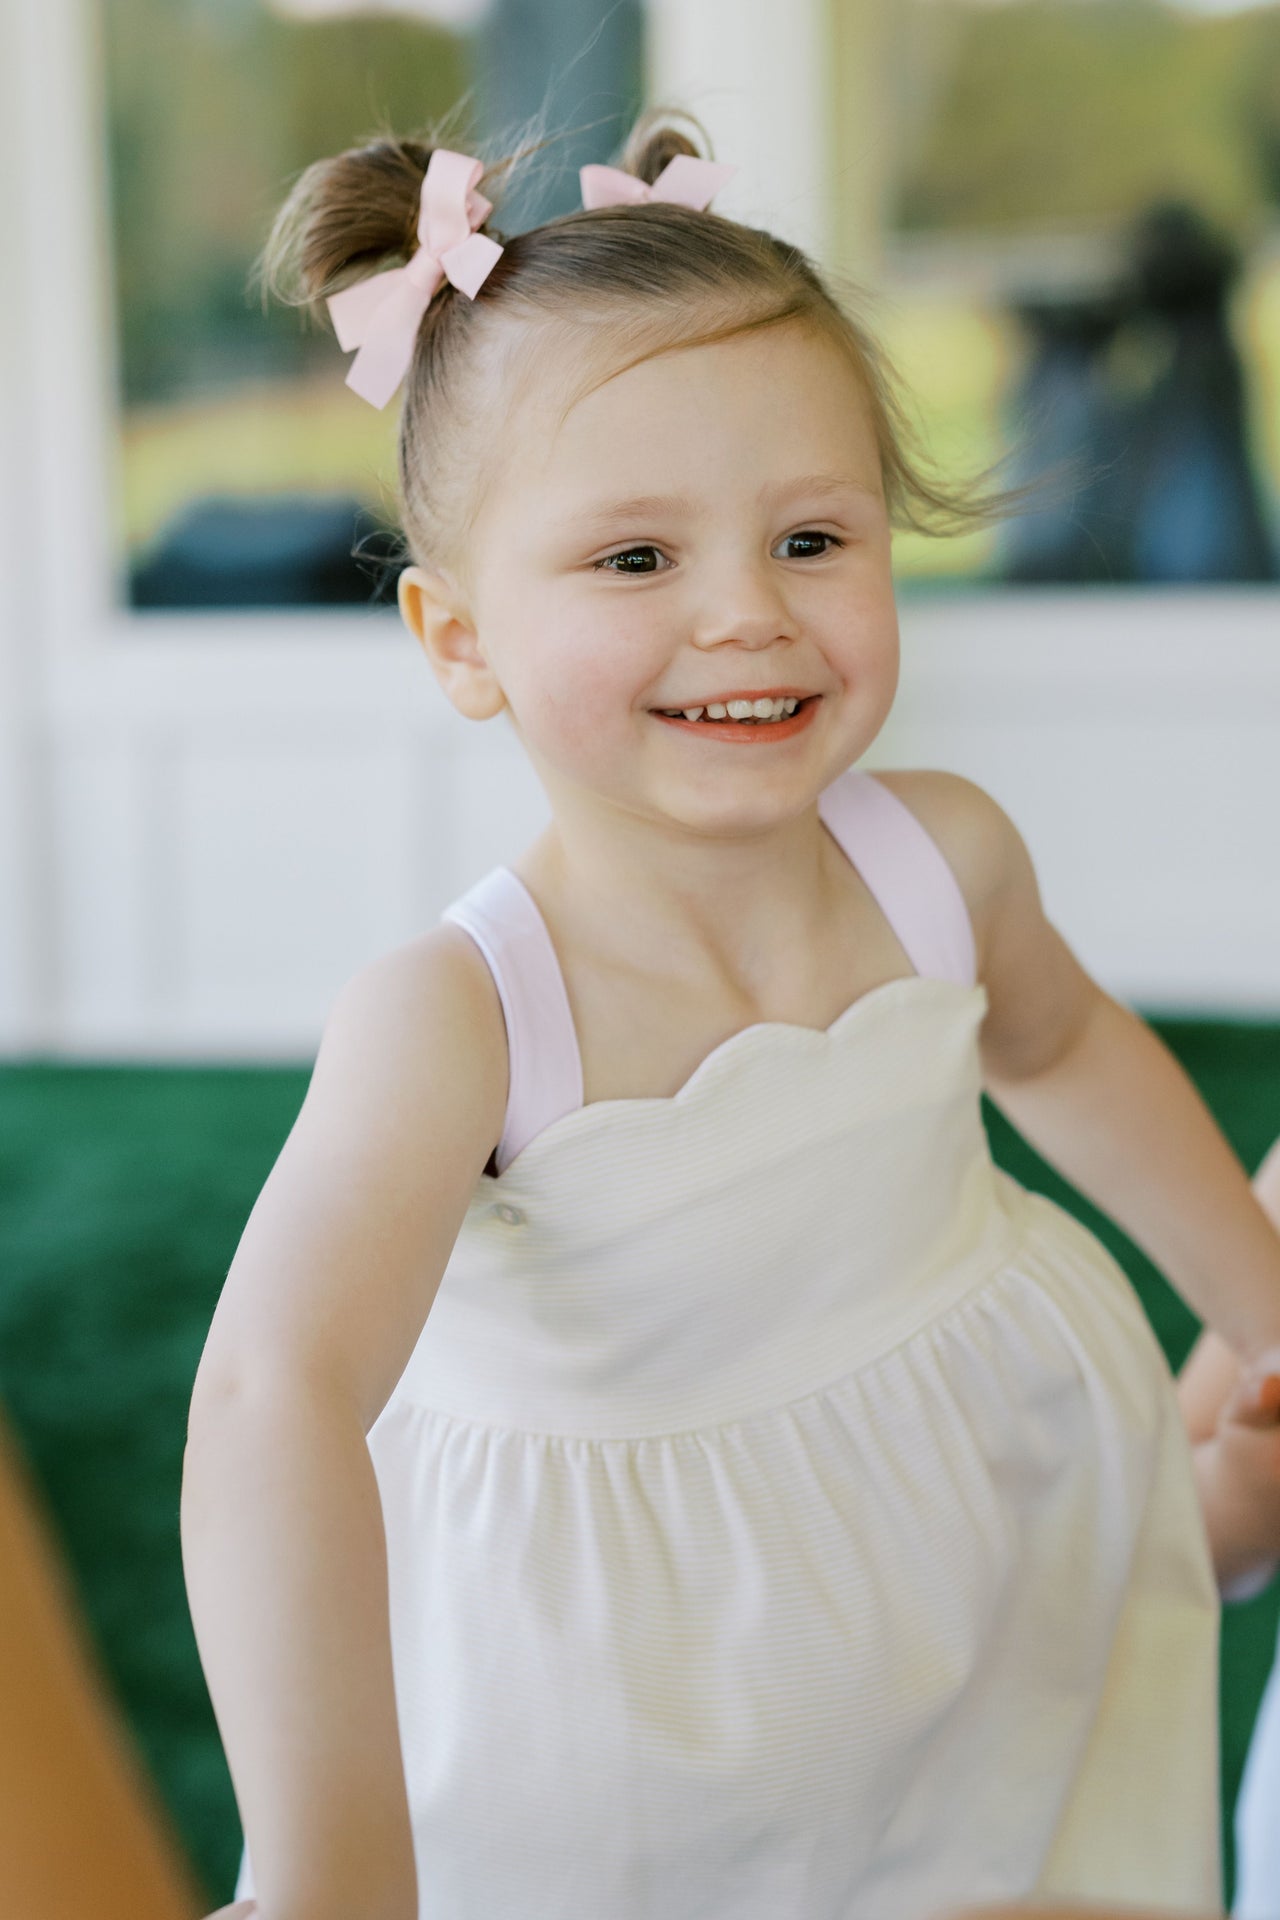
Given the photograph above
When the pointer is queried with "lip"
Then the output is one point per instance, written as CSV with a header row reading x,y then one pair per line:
x,y
739,732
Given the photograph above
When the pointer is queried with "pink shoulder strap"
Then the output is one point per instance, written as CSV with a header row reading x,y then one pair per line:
x,y
907,872
545,1067
900,863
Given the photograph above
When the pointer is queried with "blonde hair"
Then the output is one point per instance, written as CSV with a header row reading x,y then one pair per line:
x,y
631,282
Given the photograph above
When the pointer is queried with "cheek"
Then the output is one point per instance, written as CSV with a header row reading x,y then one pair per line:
x,y
576,686
875,620
884,635
885,656
568,720
861,641
595,661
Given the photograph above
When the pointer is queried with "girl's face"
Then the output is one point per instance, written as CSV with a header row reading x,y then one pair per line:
x,y
708,527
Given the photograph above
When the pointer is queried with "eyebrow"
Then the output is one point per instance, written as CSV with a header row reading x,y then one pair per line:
x,y
646,506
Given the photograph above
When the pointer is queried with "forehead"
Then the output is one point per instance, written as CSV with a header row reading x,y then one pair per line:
x,y
738,410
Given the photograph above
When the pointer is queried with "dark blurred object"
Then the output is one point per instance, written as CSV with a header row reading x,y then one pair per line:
x,y
573,68
277,551
1074,429
1196,511
1132,409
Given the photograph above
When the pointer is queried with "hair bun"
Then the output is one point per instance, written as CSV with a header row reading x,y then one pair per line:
x,y
654,141
346,217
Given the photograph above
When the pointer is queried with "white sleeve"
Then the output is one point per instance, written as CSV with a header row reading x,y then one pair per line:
x,y
1258,1814
245,1889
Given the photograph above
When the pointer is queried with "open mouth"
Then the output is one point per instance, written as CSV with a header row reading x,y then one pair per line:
x,y
769,717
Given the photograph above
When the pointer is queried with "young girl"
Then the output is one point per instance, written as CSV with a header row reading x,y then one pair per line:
x,y
647,1461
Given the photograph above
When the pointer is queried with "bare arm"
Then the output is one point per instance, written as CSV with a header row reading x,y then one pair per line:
x,y
1118,1115
1212,1371
1094,1089
1236,1443
282,1533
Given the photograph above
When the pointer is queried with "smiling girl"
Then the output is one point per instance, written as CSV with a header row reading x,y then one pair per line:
x,y
648,1463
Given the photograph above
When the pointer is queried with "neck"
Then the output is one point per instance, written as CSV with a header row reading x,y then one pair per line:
x,y
629,891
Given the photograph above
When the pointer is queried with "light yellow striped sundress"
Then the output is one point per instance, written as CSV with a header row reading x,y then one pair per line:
x,y
788,1517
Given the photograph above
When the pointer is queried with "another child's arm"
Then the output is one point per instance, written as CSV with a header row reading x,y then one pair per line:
x,y
282,1536
1096,1091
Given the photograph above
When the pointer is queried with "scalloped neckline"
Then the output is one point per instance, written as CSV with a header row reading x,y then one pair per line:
x,y
660,1101
887,989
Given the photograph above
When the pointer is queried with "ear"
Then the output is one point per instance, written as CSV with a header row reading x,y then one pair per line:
x,y
436,616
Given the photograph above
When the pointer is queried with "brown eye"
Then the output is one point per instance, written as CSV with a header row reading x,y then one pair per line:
x,y
812,545
632,560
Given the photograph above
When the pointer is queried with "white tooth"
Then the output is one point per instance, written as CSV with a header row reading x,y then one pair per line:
x,y
762,709
740,709
717,710
779,708
693,713
789,706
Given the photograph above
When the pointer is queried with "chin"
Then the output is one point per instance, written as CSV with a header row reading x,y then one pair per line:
x,y
736,814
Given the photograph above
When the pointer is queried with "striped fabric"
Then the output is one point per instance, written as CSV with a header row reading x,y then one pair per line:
x,y
787,1516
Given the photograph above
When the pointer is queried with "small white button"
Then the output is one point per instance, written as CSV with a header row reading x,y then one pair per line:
x,y
511,1216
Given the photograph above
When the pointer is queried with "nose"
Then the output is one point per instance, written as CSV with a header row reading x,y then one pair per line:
x,y
743,605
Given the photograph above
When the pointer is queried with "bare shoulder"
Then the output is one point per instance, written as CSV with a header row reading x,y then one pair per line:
x,y
424,1012
1037,991
341,1257
412,1066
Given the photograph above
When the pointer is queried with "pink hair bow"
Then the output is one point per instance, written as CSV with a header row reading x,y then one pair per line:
x,y
382,315
684,182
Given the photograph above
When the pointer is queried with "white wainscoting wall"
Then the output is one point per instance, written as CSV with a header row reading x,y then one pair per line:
x,y
210,873
206,824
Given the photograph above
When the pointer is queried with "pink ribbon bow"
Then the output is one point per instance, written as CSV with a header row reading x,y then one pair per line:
x,y
382,315
684,181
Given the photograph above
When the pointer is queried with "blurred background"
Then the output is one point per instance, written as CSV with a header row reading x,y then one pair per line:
x,y
226,780
1075,211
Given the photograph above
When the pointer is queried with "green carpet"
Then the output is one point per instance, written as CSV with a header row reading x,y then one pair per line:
x,y
123,1192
